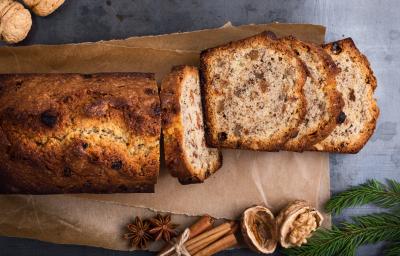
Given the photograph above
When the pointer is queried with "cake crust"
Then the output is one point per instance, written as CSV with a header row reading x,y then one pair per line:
x,y
78,133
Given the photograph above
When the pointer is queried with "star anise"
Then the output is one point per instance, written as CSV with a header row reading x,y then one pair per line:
x,y
138,233
161,227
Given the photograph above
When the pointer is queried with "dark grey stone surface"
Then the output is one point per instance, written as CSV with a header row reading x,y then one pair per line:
x,y
374,25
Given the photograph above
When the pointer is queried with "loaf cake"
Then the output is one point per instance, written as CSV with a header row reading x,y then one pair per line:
x,y
356,81
253,93
324,102
186,154
72,133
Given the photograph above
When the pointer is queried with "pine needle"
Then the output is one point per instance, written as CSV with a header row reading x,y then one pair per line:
x,y
345,239
373,191
393,249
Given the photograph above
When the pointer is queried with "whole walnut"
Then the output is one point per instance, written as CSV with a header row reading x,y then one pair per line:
x,y
43,7
15,21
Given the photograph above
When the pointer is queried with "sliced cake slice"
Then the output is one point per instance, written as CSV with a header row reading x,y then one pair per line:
x,y
356,82
253,93
186,154
324,102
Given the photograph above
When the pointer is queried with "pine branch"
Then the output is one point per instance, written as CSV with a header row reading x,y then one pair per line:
x,y
345,239
393,249
386,196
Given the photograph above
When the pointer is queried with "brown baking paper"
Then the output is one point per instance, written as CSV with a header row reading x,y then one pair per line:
x,y
246,178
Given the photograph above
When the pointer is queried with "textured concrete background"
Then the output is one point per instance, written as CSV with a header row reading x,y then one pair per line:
x,y
373,24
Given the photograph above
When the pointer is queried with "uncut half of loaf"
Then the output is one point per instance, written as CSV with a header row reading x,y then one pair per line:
x,y
253,93
324,102
186,154
356,82
72,133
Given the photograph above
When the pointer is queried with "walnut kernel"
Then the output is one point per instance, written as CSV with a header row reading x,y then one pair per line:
x,y
297,222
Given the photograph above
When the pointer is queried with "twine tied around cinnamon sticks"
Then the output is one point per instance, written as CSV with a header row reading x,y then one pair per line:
x,y
178,245
202,239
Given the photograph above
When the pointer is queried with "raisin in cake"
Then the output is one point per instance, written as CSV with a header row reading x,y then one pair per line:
x,y
324,102
356,82
253,93
185,150
72,133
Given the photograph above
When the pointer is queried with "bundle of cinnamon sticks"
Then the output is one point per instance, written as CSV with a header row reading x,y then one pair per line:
x,y
205,240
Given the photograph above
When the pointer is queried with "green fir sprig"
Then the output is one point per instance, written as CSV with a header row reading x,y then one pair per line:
x,y
385,196
392,249
345,238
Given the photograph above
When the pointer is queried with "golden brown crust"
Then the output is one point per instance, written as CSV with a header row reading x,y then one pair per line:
x,y
333,98
347,46
172,126
271,144
72,133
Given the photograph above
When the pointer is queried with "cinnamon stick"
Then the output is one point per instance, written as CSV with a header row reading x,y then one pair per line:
x,y
196,247
234,228
203,224
220,245
223,227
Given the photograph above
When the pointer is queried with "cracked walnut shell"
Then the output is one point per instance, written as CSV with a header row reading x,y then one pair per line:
x,y
297,222
15,21
259,229
43,7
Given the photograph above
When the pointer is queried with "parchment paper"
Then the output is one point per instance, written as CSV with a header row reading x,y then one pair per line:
x,y
246,178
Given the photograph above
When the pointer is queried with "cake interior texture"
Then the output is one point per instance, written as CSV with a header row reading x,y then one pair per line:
x,y
357,83
253,94
197,154
324,102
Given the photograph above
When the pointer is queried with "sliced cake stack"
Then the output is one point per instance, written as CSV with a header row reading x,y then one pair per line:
x,y
265,93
